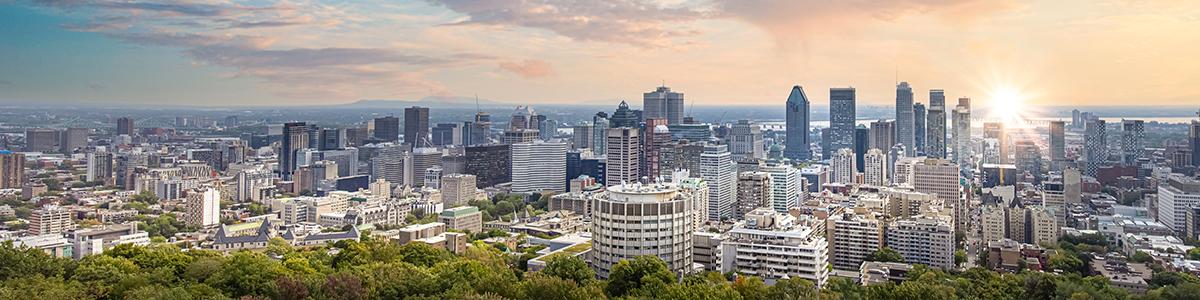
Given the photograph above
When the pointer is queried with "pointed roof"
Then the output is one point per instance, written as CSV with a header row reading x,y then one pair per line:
x,y
797,95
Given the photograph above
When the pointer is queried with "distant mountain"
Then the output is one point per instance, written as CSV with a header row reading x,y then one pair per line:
x,y
430,101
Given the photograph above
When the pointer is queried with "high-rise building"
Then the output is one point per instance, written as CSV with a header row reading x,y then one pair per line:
x,y
416,126
50,220
1058,141
490,164
447,134
74,139
754,246
655,136
1133,140
295,137
962,132
256,185
918,129
719,171
387,128
883,134
539,166
203,208
786,189
746,140
862,142
42,140
853,237
623,156
842,116
463,218
1194,141
797,148
1095,146
935,131
458,189
100,167
1175,197
995,131
1028,158
662,103
753,192
904,118
481,130
941,178
581,136
876,170
600,125
841,166
125,126
925,240
12,170
418,162
547,129
632,220
624,117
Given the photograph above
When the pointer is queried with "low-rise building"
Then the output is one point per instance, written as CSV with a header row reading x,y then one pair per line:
x,y
771,246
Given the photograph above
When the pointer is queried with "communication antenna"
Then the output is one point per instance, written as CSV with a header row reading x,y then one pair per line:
x,y
477,109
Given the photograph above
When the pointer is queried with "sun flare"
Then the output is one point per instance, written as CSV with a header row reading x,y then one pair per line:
x,y
1007,104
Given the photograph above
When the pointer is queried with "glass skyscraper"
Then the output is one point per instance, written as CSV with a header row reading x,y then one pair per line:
x,y
797,147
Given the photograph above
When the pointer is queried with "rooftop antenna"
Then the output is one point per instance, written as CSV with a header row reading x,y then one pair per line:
x,y
477,109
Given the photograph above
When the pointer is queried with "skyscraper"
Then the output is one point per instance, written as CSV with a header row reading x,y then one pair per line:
x,y
941,178
662,103
876,170
387,128
491,164
785,186
331,139
962,132
600,125
125,126
1095,146
203,208
295,137
655,136
935,130
717,168
1058,141
904,118
623,156
841,166
797,148
1133,136
753,191
481,129
639,208
883,134
42,140
581,135
416,126
1194,141
918,129
539,166
862,142
624,117
746,140
73,139
12,169
841,120
100,167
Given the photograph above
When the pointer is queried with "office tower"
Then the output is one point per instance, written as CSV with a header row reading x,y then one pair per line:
x,y
331,139
447,134
662,103
786,189
420,160
1095,146
1028,158
624,117
600,125
387,128
255,185
50,220
73,139
962,132
1133,137
355,136
513,136
1175,197
574,165
433,177
125,126
862,142
463,218
100,167
940,177
203,208
842,116
481,130
876,170
594,167
1193,141
638,208
655,136
717,168
126,167
523,117
42,140
1058,141
753,191
538,166
776,237
680,155
416,126
1076,119
390,166
883,134
623,156
918,145
797,147
12,170
581,135
547,129
295,137
490,164
458,189
841,166
853,237
924,240
904,118
746,140
994,133
935,129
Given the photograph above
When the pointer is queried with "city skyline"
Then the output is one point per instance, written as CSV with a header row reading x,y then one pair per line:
x,y
223,53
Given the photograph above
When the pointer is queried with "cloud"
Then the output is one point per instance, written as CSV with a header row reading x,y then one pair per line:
x,y
529,68
630,22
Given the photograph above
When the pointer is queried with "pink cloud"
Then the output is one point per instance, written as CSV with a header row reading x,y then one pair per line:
x,y
529,68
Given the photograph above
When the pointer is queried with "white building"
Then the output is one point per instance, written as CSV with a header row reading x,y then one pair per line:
x,y
772,246
539,166
255,185
1174,198
623,155
853,237
941,178
719,171
458,189
786,186
842,166
926,240
632,220
875,168
203,208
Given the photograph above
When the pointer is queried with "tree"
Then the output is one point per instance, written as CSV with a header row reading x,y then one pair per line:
x,y
569,267
1142,257
960,257
25,262
629,276
752,288
146,196
792,288
1066,263
247,274
886,254
422,254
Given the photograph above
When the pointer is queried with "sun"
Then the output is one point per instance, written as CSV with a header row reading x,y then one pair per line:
x,y
1007,104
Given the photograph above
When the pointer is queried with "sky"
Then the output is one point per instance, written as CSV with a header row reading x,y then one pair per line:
x,y
717,52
